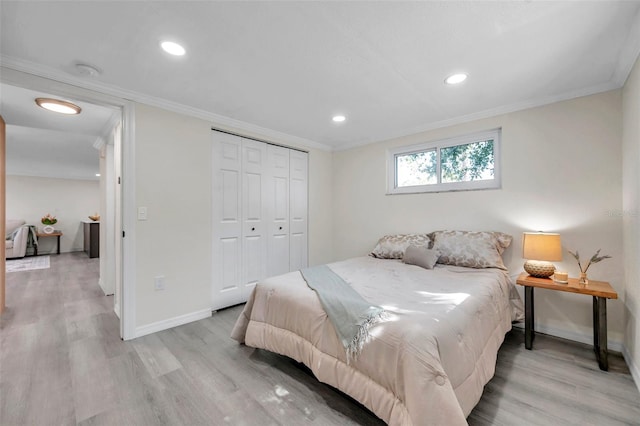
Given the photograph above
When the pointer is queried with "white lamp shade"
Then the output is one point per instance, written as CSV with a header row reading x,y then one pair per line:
x,y
541,246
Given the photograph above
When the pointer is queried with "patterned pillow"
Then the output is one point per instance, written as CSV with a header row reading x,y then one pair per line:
x,y
471,249
394,246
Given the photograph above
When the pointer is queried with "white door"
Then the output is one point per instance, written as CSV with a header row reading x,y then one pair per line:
x,y
254,222
278,210
227,221
298,232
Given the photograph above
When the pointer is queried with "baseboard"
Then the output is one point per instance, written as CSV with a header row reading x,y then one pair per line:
x,y
633,367
172,322
53,252
570,335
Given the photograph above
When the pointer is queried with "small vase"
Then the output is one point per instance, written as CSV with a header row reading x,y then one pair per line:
x,y
583,278
48,229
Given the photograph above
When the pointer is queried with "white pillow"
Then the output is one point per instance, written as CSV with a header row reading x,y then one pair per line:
x,y
421,256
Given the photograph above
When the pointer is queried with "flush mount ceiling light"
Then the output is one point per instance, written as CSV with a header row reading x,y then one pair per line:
x,y
87,70
56,105
172,48
339,118
456,78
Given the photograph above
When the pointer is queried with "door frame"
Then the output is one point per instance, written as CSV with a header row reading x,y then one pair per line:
x,y
3,189
127,109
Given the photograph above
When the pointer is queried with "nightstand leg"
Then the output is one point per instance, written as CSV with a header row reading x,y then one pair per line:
x,y
529,332
600,332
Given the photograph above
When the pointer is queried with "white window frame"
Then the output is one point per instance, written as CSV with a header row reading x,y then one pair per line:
x,y
494,183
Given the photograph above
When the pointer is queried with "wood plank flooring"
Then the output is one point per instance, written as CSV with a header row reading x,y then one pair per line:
x,y
62,363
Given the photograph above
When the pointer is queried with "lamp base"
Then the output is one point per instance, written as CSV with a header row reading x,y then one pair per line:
x,y
539,268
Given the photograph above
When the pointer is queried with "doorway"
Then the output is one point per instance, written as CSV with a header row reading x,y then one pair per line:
x,y
116,134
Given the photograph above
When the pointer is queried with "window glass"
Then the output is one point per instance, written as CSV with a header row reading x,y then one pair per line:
x,y
468,162
418,168
458,164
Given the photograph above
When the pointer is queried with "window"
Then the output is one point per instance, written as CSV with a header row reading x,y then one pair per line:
x,y
458,164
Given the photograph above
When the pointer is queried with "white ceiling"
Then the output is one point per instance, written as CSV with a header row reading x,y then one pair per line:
x,y
47,144
290,66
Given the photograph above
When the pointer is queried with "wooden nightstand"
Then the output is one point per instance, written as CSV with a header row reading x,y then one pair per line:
x,y
57,234
600,290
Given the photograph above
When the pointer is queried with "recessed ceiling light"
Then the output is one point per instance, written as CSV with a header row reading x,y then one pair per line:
x,y
339,118
172,48
97,174
456,78
56,105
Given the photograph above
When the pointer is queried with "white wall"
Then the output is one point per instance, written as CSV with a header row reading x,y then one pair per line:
x,y
560,172
173,170
70,200
320,207
173,180
631,216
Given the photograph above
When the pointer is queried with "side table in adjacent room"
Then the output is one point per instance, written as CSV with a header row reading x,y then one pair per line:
x,y
91,238
40,234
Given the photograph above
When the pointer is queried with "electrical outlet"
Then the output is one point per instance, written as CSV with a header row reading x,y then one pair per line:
x,y
159,283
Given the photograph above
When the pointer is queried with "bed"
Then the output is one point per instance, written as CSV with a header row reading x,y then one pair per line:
x,y
425,363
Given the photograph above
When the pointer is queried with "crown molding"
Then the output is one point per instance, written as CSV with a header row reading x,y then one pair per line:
x,y
493,112
106,132
50,73
52,131
628,56
63,176
99,143
629,53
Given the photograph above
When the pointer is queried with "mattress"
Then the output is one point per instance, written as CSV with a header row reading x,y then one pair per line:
x,y
426,363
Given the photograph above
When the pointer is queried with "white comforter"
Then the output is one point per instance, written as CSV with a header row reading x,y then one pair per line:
x,y
427,363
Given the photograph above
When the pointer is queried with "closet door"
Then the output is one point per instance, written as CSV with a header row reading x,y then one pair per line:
x,y
227,221
278,208
254,222
298,232
259,215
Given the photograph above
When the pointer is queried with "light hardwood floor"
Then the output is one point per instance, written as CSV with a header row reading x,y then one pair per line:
x,y
62,363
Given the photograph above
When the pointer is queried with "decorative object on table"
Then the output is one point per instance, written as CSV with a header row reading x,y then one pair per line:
x,y
583,270
561,277
95,217
540,249
48,221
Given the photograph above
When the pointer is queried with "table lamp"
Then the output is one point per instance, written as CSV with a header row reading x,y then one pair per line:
x,y
540,249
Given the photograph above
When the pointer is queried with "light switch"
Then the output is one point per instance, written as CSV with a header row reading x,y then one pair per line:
x,y
142,213
159,283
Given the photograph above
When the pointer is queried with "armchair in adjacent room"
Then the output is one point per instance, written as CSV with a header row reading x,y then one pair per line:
x,y
16,239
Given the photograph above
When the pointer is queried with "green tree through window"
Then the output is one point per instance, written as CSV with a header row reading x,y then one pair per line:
x,y
464,163
461,163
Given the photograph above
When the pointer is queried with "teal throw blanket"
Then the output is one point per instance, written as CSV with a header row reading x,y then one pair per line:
x,y
349,313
